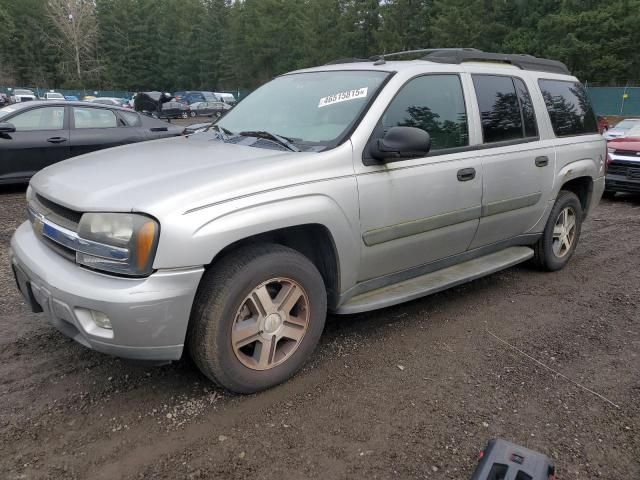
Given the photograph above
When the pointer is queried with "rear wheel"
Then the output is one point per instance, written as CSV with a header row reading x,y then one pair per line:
x,y
193,113
257,317
562,231
184,115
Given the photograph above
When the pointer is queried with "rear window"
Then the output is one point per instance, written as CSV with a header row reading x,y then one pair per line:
x,y
569,108
506,110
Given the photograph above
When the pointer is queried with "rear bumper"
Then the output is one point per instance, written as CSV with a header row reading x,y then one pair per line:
x,y
149,316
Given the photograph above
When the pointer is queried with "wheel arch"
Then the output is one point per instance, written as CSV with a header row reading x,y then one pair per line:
x,y
312,240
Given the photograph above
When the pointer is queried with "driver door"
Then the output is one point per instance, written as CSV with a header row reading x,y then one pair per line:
x,y
420,210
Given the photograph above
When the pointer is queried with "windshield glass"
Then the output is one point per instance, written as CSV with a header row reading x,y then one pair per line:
x,y
627,124
634,131
315,107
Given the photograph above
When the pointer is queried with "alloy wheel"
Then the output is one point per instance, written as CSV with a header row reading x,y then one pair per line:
x,y
564,232
270,324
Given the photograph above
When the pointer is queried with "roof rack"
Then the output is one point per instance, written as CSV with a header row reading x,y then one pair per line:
x,y
524,62
461,55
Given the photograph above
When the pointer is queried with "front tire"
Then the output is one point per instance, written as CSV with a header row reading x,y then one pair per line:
x,y
257,317
561,234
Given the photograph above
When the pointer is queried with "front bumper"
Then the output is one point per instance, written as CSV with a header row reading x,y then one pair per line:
x,y
149,315
622,183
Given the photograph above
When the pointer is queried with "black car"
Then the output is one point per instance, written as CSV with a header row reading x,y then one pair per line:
x,y
174,110
192,96
36,134
209,109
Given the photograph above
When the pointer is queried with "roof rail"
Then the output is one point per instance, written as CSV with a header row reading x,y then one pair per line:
x,y
347,60
524,62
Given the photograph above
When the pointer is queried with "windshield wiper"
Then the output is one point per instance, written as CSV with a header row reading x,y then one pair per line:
x,y
285,142
223,132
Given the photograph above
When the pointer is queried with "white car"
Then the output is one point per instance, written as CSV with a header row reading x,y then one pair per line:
x,y
622,128
53,96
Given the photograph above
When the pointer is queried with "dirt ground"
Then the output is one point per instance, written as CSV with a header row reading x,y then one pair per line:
x,y
413,391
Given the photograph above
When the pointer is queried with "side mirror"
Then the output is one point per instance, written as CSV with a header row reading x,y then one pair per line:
x,y
6,127
401,142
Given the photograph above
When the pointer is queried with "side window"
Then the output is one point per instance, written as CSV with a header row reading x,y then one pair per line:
x,y
569,108
47,118
499,108
132,119
434,103
94,118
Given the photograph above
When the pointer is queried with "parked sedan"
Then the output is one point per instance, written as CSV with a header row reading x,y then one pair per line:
x,y
622,128
36,134
174,110
209,109
114,101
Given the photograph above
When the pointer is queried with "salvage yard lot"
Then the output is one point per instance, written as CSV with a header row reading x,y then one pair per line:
x,y
413,391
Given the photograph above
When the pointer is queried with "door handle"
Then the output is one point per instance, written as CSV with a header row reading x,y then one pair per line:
x,y
56,139
542,161
466,174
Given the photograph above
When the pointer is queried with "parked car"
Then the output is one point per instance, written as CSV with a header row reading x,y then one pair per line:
x,y
52,96
621,128
227,98
36,134
346,187
192,96
71,98
623,172
114,101
209,109
174,110
22,95
4,99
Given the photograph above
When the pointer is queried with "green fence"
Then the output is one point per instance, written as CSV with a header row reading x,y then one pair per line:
x,y
623,101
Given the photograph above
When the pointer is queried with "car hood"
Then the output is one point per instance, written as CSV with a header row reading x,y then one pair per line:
x,y
627,143
159,176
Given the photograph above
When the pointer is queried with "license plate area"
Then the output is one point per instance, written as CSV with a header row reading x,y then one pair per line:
x,y
23,284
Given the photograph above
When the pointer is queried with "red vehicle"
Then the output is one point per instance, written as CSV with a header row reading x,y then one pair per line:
x,y
623,173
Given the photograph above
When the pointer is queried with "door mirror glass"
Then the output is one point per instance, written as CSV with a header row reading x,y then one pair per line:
x,y
6,127
401,143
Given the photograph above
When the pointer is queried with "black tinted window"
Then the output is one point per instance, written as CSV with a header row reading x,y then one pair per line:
x,y
569,107
526,106
434,103
499,108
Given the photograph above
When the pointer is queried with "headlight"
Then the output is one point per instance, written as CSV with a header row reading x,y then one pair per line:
x,y
611,150
129,241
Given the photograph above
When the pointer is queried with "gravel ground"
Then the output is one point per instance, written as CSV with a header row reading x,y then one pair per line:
x,y
413,391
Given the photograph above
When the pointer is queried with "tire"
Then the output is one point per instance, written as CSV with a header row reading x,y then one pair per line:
x,y
550,252
192,113
227,292
184,115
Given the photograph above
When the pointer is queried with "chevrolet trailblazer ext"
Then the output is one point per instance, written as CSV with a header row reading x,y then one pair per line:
x,y
347,187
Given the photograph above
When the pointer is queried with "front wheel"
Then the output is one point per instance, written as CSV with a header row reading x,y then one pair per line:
x,y
562,231
257,317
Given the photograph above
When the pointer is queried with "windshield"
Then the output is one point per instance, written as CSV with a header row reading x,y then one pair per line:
x,y
314,107
627,124
634,132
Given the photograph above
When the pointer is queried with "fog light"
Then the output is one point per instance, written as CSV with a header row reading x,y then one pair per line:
x,y
101,320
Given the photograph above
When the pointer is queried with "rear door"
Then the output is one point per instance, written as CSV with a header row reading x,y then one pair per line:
x,y
41,139
95,128
518,165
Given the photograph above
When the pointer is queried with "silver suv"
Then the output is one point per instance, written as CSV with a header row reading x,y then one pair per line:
x,y
343,188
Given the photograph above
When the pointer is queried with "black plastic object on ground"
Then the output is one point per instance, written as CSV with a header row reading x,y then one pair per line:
x,y
502,460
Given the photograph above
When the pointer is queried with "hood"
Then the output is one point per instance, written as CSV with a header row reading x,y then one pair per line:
x,y
627,143
160,176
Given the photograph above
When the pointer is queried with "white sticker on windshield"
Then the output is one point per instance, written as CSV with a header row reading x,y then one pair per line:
x,y
343,96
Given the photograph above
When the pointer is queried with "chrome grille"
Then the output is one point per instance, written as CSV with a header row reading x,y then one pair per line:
x,y
58,214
